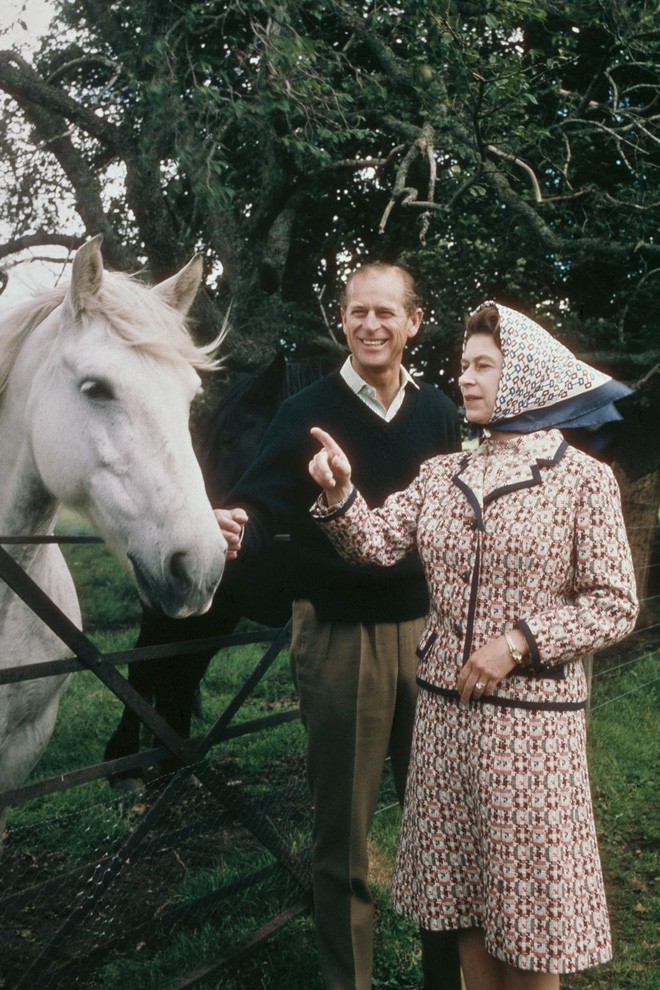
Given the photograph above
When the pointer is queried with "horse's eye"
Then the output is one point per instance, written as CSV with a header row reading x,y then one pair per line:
x,y
95,388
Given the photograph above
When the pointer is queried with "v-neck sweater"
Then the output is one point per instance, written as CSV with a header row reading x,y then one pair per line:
x,y
277,493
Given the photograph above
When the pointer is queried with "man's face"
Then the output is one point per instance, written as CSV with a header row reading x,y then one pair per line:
x,y
376,323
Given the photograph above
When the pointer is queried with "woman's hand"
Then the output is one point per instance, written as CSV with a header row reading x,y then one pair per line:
x,y
488,666
330,468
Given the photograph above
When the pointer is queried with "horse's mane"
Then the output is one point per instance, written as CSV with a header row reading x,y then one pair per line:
x,y
144,320
17,324
304,372
271,383
237,423
141,318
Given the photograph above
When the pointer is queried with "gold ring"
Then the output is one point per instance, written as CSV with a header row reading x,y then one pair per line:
x,y
479,686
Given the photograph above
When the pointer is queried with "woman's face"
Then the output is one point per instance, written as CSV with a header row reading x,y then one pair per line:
x,y
481,367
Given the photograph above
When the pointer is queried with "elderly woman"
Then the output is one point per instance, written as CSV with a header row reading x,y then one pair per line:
x,y
528,565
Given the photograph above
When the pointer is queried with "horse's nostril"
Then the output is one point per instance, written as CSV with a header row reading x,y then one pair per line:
x,y
178,568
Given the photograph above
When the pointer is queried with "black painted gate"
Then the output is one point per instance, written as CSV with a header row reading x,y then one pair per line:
x,y
204,849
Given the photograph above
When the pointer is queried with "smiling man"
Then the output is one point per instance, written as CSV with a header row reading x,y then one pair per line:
x,y
355,629
379,315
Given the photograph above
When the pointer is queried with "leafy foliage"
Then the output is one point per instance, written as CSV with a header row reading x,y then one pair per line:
x,y
504,148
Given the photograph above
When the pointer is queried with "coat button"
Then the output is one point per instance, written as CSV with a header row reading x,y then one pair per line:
x,y
466,576
458,629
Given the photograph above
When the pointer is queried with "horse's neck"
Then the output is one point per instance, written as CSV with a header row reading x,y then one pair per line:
x,y
26,508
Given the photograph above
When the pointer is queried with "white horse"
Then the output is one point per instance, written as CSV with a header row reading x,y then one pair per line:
x,y
96,382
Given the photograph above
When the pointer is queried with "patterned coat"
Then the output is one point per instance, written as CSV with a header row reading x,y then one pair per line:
x,y
527,534
498,830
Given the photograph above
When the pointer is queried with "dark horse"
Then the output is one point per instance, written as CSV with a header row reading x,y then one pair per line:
x,y
229,442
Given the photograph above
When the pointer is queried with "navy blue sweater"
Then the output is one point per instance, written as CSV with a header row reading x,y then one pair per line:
x,y
277,493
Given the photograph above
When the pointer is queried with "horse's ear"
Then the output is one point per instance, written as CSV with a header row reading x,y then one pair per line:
x,y
86,273
268,380
180,290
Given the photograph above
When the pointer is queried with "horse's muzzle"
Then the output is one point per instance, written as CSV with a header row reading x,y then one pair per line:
x,y
178,589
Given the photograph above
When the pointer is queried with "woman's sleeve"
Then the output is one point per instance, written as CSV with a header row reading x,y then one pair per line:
x,y
602,605
378,536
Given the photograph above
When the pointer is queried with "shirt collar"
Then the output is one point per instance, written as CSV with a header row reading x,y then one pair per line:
x,y
356,383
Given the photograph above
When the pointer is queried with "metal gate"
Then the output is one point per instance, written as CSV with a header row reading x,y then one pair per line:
x,y
199,812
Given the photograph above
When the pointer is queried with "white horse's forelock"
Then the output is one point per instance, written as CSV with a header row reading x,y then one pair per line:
x,y
140,317
144,320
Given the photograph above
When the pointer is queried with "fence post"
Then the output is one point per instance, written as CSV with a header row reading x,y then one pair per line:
x,y
588,662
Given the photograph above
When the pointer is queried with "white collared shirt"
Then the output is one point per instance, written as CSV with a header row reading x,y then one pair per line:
x,y
367,393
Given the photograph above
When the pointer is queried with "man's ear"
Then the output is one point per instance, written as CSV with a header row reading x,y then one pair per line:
x,y
415,323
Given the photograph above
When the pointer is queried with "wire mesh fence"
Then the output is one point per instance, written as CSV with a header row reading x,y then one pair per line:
x,y
202,872
219,846
192,872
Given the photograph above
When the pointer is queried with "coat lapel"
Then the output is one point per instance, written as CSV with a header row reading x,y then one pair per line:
x,y
521,468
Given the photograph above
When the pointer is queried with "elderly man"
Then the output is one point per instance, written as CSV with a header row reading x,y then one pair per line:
x,y
355,629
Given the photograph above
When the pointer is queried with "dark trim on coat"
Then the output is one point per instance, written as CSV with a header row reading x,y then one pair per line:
x,y
536,478
534,655
489,699
471,497
339,510
423,651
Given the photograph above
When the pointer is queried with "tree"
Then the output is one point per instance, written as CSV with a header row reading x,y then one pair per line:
x,y
503,148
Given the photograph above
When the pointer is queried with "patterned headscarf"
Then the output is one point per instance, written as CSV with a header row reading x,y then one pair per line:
x,y
543,385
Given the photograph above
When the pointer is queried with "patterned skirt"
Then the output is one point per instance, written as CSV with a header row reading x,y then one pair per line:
x,y
498,833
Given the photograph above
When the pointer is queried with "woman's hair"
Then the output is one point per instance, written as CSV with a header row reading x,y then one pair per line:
x,y
485,320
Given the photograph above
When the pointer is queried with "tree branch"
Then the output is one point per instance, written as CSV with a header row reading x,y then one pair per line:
x,y
41,238
46,110
523,165
25,85
390,64
407,195
579,246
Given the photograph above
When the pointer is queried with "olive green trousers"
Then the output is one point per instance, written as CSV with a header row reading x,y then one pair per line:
x,y
357,691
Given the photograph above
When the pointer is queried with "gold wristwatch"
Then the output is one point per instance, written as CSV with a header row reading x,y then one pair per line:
x,y
516,655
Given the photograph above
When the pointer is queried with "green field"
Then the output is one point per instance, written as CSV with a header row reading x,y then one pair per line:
x,y
56,834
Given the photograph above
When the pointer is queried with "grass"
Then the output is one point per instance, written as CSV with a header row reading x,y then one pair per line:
x,y
107,598
61,831
624,759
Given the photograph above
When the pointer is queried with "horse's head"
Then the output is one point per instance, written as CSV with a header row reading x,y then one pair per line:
x,y
234,430
111,374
